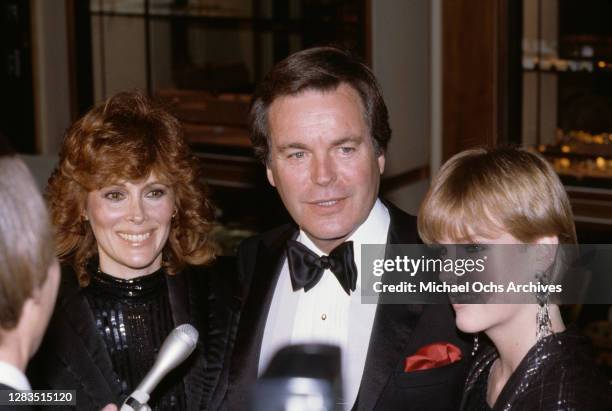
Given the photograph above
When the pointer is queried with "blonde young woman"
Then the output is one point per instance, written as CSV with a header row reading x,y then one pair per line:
x,y
511,196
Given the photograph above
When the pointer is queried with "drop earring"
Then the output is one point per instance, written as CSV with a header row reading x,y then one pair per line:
x,y
476,345
543,323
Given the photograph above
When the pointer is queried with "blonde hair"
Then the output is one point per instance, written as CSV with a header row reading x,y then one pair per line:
x,y
26,239
493,190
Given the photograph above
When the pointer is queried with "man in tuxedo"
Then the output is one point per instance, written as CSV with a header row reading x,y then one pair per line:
x,y
29,272
320,125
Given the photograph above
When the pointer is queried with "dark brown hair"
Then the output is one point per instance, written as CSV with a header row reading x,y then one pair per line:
x,y
321,69
127,138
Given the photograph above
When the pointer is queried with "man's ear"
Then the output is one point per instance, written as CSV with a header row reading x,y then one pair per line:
x,y
270,175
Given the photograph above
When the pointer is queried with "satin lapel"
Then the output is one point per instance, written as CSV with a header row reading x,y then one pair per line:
x,y
181,302
393,323
86,354
261,284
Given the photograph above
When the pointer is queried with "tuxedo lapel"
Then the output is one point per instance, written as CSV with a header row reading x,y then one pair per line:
x,y
402,227
393,326
393,323
260,268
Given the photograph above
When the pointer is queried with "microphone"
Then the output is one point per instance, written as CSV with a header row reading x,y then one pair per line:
x,y
179,344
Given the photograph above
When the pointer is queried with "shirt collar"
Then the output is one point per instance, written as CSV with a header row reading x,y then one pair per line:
x,y
13,377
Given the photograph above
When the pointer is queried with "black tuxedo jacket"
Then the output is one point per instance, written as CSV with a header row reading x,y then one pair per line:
x,y
14,407
73,355
398,331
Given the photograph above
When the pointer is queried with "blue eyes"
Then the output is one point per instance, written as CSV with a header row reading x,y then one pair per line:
x,y
299,154
302,154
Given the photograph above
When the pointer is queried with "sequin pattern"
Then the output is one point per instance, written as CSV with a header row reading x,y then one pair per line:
x,y
133,317
557,374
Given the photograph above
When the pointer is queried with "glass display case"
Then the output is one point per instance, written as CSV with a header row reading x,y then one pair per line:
x,y
567,117
567,87
206,56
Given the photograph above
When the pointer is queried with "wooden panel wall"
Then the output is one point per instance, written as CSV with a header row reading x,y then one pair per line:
x,y
474,69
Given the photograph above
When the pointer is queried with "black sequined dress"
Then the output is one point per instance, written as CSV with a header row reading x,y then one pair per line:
x,y
102,338
133,317
557,374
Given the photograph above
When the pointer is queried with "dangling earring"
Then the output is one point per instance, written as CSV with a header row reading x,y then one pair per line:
x,y
543,323
476,345
84,224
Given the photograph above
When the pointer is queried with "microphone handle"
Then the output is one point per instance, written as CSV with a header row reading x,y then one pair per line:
x,y
137,401
175,349
153,377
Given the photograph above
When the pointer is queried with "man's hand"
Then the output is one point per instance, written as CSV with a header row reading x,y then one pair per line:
x,y
110,407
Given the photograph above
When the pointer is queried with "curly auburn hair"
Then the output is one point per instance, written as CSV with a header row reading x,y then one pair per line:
x,y
127,138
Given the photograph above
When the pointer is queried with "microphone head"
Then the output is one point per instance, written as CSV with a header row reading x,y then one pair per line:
x,y
179,345
188,332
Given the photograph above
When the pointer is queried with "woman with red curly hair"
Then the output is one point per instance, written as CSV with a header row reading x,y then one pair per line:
x,y
133,222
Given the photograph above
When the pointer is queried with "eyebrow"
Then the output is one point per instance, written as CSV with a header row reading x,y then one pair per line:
x,y
123,185
289,146
355,140
111,186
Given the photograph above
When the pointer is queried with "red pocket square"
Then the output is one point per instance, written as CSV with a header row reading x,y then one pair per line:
x,y
432,356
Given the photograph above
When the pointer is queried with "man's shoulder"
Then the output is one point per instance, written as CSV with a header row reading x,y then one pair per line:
x,y
219,274
397,213
269,238
272,241
403,226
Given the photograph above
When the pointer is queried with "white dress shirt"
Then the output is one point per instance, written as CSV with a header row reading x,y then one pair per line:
x,y
13,377
326,314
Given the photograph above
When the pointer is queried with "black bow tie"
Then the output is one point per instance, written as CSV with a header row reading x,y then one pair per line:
x,y
306,268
